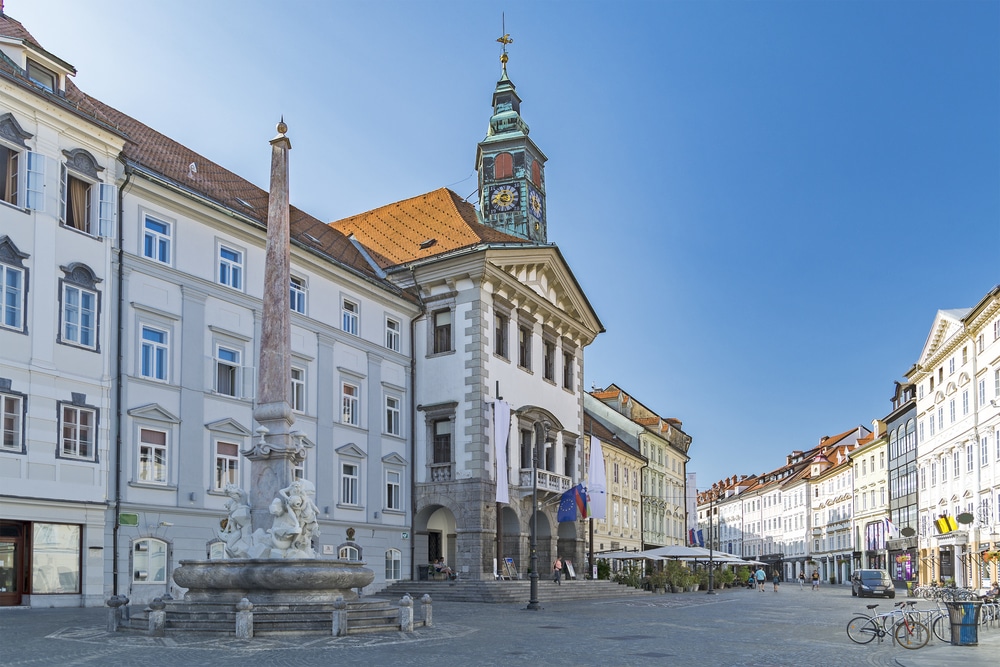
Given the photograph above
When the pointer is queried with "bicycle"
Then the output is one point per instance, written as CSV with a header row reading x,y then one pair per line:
x,y
905,630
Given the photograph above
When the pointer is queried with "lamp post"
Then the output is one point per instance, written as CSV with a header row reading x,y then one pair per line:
x,y
711,552
541,429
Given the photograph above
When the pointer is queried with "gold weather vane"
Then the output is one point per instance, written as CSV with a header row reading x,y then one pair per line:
x,y
505,40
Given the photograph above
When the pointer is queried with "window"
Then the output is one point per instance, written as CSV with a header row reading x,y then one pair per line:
x,y
568,362
524,347
79,429
393,565
969,458
984,451
298,397
227,465
12,413
231,267
12,297
350,409
393,495
79,316
951,366
982,392
227,371
536,173
348,553
152,456
951,410
350,317
154,354
549,360
500,336
442,441
149,561
349,484
956,460
944,468
934,473
392,331
78,208
41,76
392,416
55,556
503,166
442,331
10,160
297,294
156,240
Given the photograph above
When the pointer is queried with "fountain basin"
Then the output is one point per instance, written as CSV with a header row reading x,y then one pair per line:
x,y
272,581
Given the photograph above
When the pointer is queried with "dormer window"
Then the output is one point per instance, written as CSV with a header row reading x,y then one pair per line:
x,y
41,76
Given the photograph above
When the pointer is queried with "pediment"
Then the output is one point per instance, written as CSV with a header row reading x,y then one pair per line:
x,y
947,324
393,459
154,412
228,426
950,389
963,379
352,450
939,397
538,279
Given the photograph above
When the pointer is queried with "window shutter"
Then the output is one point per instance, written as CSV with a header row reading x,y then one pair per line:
x,y
248,377
106,209
35,182
63,186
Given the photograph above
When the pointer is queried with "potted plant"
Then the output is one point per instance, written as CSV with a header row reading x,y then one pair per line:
x,y
726,577
675,574
658,581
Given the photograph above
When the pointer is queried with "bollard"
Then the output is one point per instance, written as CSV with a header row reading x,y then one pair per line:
x,y
427,610
339,617
116,606
157,617
244,619
406,613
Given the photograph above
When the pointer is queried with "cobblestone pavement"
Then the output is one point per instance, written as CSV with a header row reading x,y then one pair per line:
x,y
735,628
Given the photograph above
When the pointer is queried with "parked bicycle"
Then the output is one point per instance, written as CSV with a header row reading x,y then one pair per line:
x,y
900,624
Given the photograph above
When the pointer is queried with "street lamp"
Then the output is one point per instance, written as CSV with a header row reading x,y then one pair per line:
x,y
541,430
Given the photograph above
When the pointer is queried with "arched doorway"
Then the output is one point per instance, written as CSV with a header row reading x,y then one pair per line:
x,y
567,543
544,541
434,533
512,538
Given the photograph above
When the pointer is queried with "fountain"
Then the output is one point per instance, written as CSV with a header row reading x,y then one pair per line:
x,y
271,566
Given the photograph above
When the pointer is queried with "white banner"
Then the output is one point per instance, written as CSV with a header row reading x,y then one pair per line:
x,y
597,481
501,432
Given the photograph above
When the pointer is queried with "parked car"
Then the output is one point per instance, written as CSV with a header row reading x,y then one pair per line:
x,y
872,582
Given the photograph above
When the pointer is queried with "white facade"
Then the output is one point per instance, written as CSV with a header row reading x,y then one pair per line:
x,y
958,442
56,238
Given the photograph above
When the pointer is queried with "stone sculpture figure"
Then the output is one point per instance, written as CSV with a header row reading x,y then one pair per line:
x,y
236,532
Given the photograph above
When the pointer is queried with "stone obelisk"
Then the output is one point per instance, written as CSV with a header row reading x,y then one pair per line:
x,y
275,452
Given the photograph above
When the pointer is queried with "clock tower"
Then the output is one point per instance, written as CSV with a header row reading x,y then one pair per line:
x,y
511,167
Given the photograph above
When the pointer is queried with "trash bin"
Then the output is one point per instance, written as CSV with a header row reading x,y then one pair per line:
x,y
423,572
964,618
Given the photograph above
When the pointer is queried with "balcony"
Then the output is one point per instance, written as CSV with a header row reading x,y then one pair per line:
x,y
547,481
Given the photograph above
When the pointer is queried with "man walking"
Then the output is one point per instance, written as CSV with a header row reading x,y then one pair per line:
x,y
802,580
761,576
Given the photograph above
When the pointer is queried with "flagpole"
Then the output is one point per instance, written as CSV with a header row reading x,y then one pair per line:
x,y
541,429
590,519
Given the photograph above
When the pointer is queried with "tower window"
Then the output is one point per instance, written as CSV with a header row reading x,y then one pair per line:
x,y
536,173
503,166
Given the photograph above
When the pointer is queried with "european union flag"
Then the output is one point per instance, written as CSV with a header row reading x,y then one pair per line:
x,y
567,506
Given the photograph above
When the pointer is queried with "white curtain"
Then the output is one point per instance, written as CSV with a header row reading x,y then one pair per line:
x,y
501,432
597,481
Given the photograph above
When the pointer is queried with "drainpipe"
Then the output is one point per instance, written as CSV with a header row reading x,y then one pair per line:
x,y
119,378
413,440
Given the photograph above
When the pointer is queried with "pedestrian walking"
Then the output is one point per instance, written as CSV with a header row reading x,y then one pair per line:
x,y
815,580
557,571
774,580
761,575
802,581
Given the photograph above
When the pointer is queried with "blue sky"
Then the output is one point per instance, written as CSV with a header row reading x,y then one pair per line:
x,y
766,202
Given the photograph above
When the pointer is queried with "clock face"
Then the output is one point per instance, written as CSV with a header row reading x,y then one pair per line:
x,y
504,198
534,202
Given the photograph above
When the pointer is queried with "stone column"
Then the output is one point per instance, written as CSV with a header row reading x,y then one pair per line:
x,y
274,452
157,618
244,619
406,614
428,610
339,617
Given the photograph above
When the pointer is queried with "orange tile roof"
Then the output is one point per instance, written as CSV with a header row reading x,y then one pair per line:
x,y
420,227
